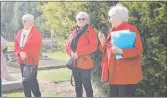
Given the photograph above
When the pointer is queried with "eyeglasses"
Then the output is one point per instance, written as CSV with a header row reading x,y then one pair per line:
x,y
24,21
81,19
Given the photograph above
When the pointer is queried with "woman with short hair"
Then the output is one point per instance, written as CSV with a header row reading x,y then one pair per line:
x,y
80,45
27,47
122,74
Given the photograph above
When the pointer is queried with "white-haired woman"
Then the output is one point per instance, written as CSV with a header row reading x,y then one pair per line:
x,y
82,42
122,74
27,46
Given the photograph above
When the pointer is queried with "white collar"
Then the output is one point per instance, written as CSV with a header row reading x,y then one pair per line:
x,y
27,31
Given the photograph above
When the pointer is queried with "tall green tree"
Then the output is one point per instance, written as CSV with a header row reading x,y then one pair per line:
x,y
11,16
6,18
59,18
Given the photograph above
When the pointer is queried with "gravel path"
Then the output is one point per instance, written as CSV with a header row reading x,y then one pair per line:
x,y
64,89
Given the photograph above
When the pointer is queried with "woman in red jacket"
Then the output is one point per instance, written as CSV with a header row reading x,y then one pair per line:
x,y
80,48
122,74
27,46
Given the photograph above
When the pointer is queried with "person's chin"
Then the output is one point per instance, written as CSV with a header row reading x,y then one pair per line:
x,y
83,24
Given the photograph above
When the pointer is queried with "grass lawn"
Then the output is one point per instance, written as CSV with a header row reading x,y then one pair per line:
x,y
21,94
55,75
57,55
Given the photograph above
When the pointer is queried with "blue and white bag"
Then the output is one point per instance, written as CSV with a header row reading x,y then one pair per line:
x,y
123,39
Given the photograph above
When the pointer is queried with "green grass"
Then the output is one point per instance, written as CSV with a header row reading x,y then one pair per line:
x,y
57,55
10,45
55,75
21,94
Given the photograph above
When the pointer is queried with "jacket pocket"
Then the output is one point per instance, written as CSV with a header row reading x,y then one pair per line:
x,y
85,62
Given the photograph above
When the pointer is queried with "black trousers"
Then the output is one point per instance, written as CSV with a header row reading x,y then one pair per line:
x,y
122,90
30,85
82,76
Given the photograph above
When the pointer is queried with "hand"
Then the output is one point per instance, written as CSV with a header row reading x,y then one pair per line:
x,y
102,38
22,55
72,54
75,56
115,50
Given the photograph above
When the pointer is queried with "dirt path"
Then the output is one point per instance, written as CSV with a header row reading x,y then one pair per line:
x,y
64,89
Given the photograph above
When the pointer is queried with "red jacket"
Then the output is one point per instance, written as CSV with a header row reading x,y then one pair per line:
x,y
126,70
32,46
87,44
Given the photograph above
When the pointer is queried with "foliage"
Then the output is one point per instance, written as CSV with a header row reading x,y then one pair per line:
x,y
150,18
11,17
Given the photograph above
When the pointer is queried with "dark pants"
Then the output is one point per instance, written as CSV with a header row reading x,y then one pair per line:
x,y
122,90
30,85
82,76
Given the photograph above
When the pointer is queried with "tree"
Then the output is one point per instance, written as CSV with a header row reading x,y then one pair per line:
x,y
12,13
6,8
59,18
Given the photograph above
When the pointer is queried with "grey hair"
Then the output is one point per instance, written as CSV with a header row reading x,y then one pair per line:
x,y
119,11
83,14
28,17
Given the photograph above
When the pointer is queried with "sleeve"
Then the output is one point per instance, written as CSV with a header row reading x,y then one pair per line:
x,y
101,48
3,43
67,46
137,50
17,48
93,43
